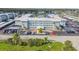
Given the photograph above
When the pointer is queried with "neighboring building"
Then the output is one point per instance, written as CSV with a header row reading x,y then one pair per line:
x,y
5,17
48,22
12,29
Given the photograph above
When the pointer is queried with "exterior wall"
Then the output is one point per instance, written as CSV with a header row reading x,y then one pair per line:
x,y
18,22
25,24
44,24
33,24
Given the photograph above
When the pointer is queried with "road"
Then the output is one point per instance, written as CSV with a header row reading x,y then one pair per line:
x,y
74,39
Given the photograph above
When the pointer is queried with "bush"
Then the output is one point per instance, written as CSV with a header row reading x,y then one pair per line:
x,y
16,39
9,40
23,43
40,30
68,46
30,42
37,42
40,42
69,43
46,40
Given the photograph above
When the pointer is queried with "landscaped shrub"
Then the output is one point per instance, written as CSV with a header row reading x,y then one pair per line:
x,y
68,46
16,39
38,45
23,43
9,40
37,42
69,43
46,40
44,43
30,42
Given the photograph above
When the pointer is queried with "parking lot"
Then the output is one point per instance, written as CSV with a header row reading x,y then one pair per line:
x,y
71,29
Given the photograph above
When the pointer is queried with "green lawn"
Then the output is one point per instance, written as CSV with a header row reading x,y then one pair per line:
x,y
55,46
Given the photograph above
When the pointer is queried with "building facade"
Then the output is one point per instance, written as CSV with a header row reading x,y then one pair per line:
x,y
43,22
5,17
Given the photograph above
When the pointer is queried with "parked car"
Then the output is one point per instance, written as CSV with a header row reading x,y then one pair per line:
x,y
33,33
77,30
29,33
71,31
26,33
47,33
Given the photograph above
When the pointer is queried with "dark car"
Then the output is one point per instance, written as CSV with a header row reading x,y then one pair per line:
x,y
47,33
26,33
70,31
77,30
29,33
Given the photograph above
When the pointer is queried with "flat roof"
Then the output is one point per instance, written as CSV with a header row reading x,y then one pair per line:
x,y
1,23
54,18
13,27
6,23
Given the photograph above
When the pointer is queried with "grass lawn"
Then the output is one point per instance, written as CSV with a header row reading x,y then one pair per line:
x,y
54,46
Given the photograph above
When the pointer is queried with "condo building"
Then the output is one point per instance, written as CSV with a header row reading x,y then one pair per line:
x,y
48,22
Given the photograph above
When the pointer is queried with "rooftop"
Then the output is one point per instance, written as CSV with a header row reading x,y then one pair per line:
x,y
72,17
51,17
14,27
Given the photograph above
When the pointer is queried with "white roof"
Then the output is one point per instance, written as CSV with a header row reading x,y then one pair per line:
x,y
51,15
1,23
72,17
13,28
26,18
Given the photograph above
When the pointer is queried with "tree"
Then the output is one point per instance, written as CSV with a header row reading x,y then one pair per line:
x,y
16,38
46,40
68,46
69,43
40,30
30,42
